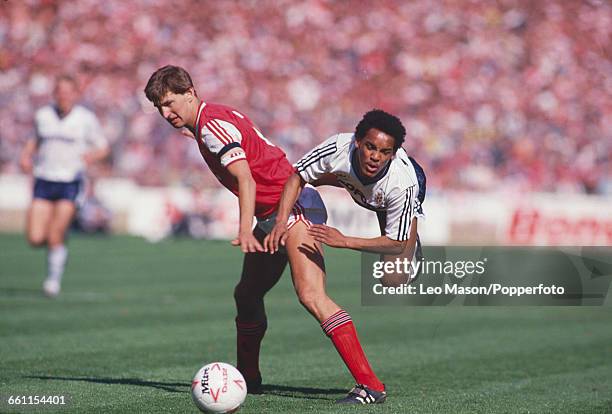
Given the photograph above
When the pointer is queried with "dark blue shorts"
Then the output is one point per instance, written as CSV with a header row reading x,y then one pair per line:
x,y
54,191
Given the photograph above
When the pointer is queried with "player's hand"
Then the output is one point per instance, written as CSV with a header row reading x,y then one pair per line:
x,y
88,159
248,243
26,164
276,238
328,235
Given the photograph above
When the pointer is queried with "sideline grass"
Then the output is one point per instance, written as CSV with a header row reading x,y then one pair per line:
x,y
136,320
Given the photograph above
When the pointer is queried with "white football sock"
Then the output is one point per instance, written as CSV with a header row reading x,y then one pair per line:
x,y
56,261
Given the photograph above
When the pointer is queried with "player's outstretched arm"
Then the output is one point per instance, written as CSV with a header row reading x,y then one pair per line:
x,y
383,244
246,200
291,192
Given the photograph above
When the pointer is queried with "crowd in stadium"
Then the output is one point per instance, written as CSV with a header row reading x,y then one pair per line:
x,y
507,95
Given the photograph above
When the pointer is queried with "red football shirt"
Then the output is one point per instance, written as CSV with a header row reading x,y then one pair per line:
x,y
220,128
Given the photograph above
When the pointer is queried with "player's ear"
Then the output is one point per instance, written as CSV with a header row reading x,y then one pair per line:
x,y
191,94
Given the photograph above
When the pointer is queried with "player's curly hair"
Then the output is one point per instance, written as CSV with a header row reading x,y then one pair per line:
x,y
383,121
167,79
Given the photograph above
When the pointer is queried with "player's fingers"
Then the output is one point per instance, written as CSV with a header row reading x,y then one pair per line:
x,y
277,235
267,243
236,242
318,238
316,232
274,242
257,246
283,238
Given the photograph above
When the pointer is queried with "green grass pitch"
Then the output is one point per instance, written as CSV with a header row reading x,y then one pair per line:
x,y
136,320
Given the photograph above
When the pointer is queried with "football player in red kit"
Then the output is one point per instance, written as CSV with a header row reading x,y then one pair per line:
x,y
255,170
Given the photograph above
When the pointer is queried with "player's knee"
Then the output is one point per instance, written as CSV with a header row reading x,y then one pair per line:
x,y
245,295
37,240
394,279
309,298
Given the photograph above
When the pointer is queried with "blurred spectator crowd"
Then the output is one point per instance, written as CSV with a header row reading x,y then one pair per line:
x,y
504,95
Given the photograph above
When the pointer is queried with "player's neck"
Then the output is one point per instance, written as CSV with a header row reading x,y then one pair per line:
x,y
193,117
62,112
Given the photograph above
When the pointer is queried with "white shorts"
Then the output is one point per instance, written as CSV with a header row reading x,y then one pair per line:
x,y
309,209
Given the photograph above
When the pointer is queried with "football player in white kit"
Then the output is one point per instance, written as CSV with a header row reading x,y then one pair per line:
x,y
371,165
68,139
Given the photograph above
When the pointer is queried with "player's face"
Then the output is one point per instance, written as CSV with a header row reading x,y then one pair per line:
x,y
177,109
374,151
65,95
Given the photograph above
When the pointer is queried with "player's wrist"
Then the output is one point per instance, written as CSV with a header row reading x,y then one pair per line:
x,y
349,243
281,219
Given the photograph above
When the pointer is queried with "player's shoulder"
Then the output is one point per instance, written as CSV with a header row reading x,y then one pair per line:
x,y
83,111
45,112
340,142
344,140
222,112
405,171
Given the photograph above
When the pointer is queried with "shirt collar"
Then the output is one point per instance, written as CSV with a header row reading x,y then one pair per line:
x,y
197,122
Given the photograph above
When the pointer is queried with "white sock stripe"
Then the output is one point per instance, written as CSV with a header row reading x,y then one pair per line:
x,y
332,319
336,325
340,314
336,320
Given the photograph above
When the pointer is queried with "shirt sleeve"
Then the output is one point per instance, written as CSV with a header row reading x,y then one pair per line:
x,y
400,212
318,161
223,139
96,137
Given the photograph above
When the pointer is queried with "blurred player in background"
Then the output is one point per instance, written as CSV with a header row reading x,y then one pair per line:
x,y
255,170
68,139
376,171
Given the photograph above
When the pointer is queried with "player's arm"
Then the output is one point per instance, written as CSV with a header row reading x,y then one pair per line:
x,y
96,155
382,244
246,200
100,148
27,155
291,192
400,231
223,139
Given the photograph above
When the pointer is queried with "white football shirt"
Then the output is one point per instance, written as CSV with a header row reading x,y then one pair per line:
x,y
63,141
396,193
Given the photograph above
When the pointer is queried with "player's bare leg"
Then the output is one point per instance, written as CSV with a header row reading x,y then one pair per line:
x,y
63,213
260,272
39,218
308,272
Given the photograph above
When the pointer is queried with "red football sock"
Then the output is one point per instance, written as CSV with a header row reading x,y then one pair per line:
x,y
248,342
339,327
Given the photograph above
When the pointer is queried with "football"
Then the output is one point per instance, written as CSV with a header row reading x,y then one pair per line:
x,y
218,388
